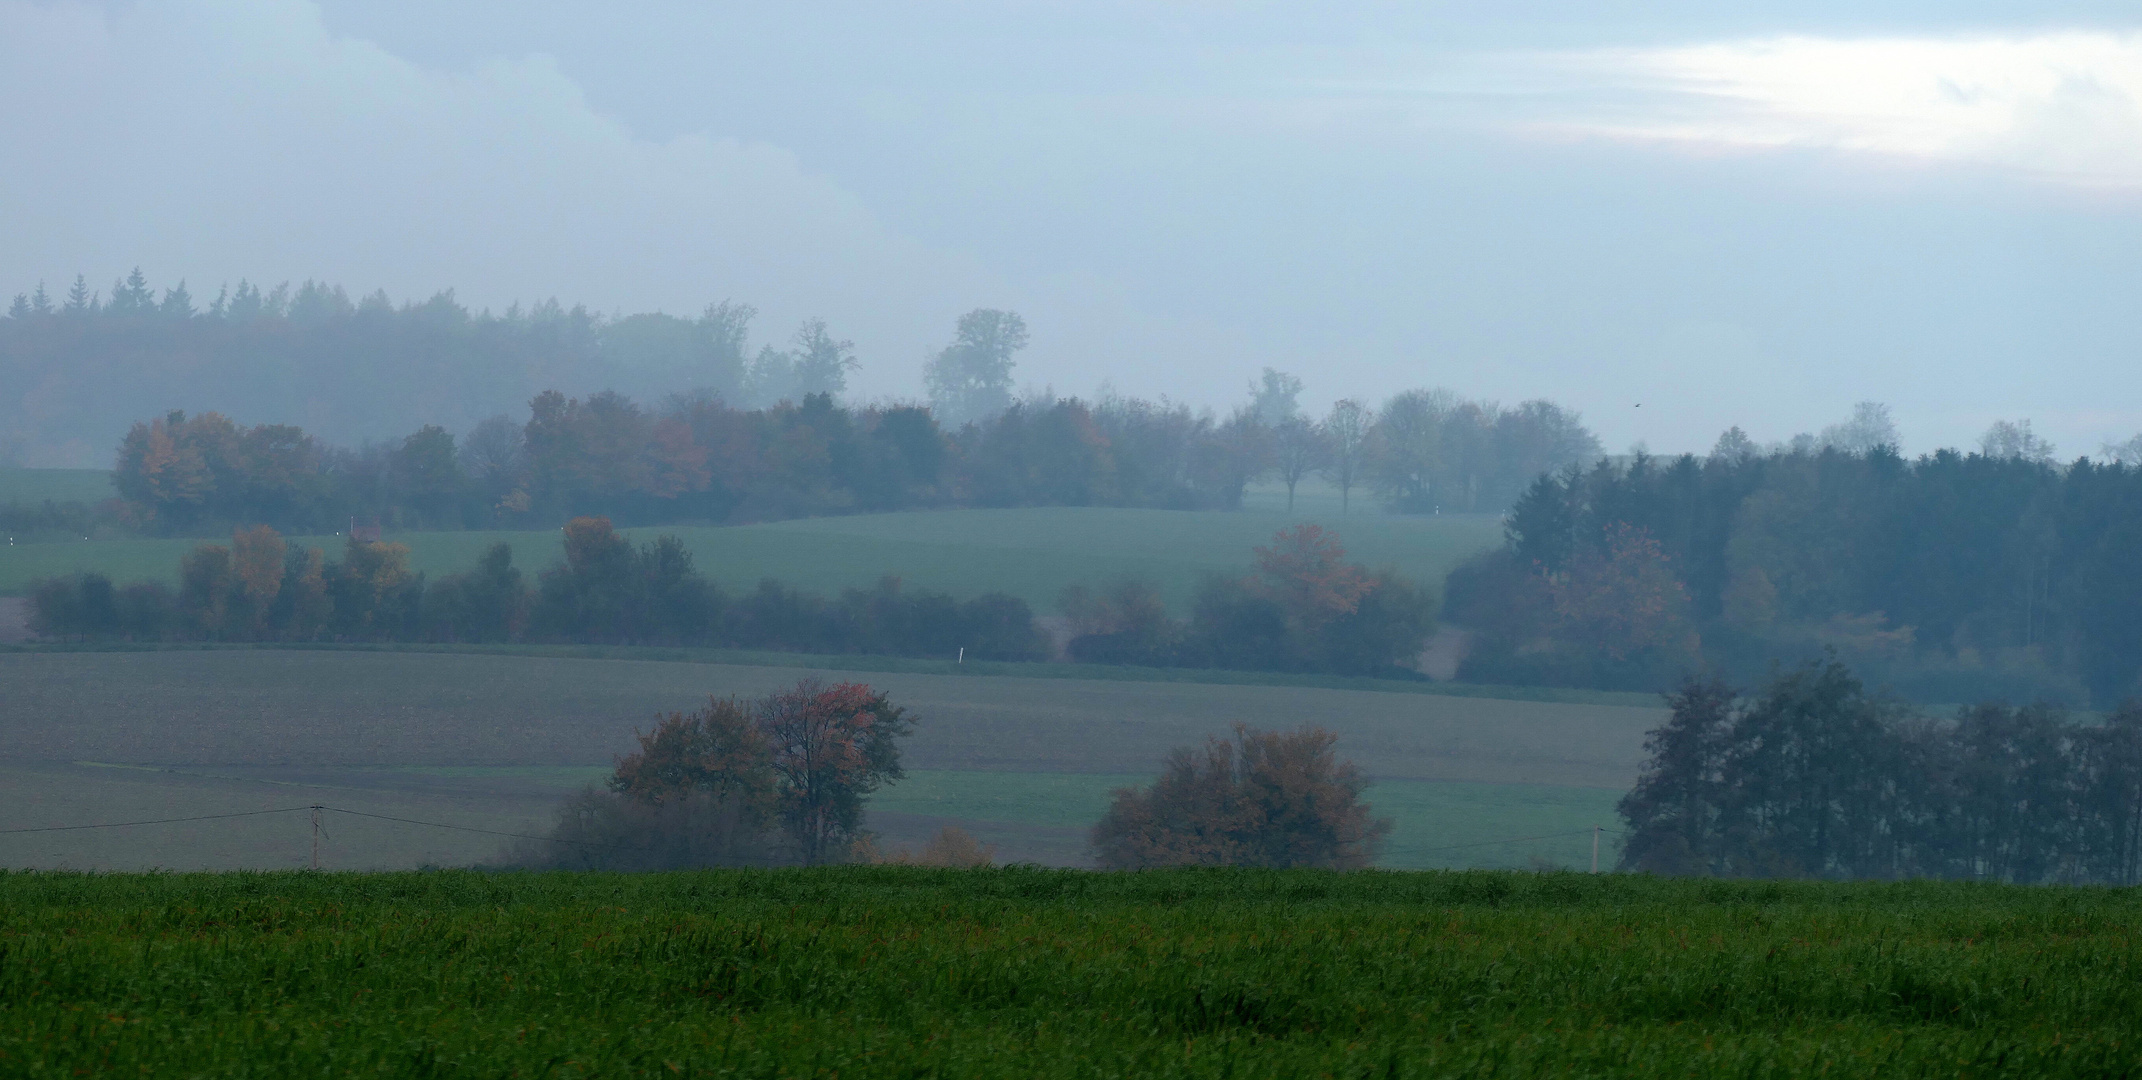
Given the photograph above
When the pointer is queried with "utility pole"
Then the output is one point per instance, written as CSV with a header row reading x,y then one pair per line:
x,y
1596,829
316,840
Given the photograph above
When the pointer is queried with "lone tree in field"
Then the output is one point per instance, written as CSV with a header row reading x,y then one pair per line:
x,y
778,779
830,746
1265,798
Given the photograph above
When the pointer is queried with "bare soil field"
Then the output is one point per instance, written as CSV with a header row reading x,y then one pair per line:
x,y
492,742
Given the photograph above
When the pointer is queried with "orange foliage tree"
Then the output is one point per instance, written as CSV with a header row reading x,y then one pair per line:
x,y
1623,599
1306,571
257,563
830,746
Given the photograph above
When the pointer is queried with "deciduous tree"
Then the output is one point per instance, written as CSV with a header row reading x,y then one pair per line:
x,y
1276,799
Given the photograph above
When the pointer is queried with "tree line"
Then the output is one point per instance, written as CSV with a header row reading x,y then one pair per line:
x,y
653,418
1302,608
607,590
699,460
1953,577
1813,776
356,369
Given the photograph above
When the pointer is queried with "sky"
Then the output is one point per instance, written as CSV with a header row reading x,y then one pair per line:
x,y
1671,217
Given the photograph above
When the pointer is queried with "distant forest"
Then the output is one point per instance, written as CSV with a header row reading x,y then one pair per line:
x,y
81,366
1954,577
76,370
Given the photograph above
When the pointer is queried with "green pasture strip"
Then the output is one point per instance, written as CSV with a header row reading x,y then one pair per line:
x,y
124,561
1031,553
35,486
1451,825
900,972
903,665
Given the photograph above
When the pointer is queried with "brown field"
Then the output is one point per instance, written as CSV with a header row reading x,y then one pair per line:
x,y
492,741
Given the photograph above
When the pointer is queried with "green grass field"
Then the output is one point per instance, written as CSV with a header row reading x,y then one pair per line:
x,y
59,485
1032,553
900,972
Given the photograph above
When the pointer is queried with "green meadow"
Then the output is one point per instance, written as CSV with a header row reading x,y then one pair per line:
x,y
1030,553
58,485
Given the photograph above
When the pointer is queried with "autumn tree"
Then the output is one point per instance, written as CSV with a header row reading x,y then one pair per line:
x,y
426,474
1346,431
831,746
205,589
374,594
1674,810
1125,622
698,792
1623,598
257,566
1305,570
820,362
489,603
1298,449
1273,799
971,379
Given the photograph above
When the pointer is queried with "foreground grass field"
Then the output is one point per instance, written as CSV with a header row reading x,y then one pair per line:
x,y
1032,554
894,972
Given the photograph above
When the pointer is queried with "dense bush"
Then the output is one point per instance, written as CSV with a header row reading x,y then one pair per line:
x,y
1272,799
1815,777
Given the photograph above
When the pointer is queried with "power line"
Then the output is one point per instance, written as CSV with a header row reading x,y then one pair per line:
x,y
317,807
156,821
1513,840
487,832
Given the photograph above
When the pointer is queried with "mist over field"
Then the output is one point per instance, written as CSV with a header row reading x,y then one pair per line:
x,y
1671,221
919,444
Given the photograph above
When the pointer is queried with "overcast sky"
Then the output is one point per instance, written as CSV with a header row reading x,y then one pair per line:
x,y
1756,218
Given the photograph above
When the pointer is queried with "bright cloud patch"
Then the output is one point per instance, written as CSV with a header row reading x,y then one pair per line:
x,y
2066,107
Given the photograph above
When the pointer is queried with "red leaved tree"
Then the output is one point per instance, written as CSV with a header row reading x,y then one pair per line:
x,y
830,747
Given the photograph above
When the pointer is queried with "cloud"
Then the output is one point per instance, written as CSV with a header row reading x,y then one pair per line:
x,y
223,138
2062,107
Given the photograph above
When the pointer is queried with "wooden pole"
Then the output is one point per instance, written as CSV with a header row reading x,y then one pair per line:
x,y
316,837
1595,847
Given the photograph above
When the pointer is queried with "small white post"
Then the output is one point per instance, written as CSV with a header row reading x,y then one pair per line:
x,y
962,655
1596,829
